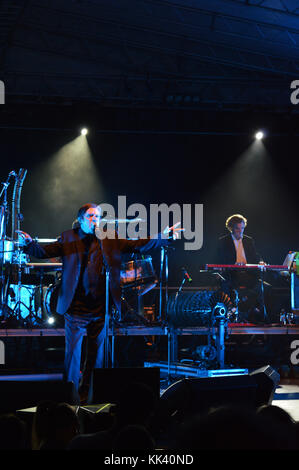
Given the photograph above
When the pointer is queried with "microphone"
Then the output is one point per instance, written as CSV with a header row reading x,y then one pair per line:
x,y
187,275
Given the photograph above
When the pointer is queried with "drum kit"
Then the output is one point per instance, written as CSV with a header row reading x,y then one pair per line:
x,y
22,284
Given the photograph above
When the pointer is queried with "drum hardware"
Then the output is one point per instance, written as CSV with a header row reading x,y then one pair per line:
x,y
19,302
286,318
132,316
43,267
50,298
262,269
16,219
137,277
3,237
107,322
4,207
163,270
21,307
45,240
7,251
22,283
10,251
32,318
48,287
13,261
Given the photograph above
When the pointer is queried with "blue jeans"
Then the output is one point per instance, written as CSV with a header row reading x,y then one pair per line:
x,y
75,328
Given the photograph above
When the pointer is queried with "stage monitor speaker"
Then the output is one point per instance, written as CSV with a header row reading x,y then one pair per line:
x,y
267,380
16,395
109,384
195,395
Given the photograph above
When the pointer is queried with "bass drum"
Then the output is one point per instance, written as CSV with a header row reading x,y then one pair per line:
x,y
51,298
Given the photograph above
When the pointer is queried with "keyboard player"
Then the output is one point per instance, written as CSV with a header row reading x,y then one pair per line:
x,y
238,248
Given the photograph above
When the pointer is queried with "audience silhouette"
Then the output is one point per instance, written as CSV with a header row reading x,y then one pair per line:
x,y
54,426
135,422
231,427
13,433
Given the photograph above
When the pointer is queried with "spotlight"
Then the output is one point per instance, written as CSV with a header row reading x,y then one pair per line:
x,y
84,131
51,320
259,135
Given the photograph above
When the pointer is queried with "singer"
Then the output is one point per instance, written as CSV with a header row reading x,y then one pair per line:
x,y
83,287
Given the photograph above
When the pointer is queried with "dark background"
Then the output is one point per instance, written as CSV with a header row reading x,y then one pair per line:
x,y
172,93
226,171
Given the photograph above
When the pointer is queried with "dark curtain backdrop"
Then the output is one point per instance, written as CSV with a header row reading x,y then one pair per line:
x,y
226,174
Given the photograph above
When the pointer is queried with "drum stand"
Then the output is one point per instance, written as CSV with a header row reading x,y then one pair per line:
x,y
163,263
30,308
108,351
5,310
17,308
107,324
264,312
19,301
171,335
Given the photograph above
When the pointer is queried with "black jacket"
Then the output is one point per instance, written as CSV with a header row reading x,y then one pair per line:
x,y
70,248
227,250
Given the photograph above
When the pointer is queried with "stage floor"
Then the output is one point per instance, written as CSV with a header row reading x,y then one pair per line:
x,y
287,397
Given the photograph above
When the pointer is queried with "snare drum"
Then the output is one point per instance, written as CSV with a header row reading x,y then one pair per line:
x,y
139,275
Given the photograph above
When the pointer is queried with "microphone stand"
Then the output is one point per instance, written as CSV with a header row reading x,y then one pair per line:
x,y
3,227
163,263
265,314
171,336
17,217
170,332
107,320
162,256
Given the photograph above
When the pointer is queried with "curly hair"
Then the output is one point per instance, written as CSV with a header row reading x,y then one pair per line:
x,y
234,219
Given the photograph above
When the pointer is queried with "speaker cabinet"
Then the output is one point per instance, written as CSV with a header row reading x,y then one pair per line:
x,y
109,384
194,395
267,380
